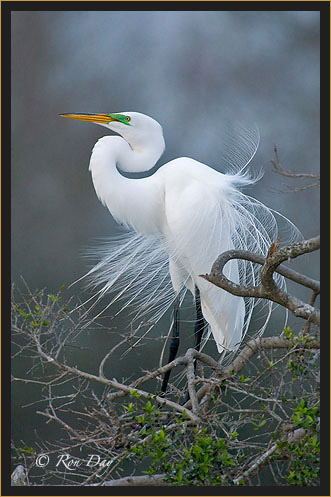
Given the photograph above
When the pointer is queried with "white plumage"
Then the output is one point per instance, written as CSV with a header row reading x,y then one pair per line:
x,y
178,221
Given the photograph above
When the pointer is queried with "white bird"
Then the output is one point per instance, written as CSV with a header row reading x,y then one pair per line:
x,y
179,219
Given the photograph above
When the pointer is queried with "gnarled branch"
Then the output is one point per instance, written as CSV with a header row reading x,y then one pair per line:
x,y
268,289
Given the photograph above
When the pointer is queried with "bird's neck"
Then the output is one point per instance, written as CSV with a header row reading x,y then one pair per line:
x,y
137,156
126,198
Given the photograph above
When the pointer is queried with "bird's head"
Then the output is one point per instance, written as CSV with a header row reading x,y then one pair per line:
x,y
134,127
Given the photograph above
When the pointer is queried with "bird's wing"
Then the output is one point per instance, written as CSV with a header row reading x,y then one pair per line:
x,y
199,228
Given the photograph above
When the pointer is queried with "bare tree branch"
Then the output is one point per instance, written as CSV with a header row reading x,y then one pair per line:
x,y
292,437
277,168
249,350
268,343
268,289
116,384
137,481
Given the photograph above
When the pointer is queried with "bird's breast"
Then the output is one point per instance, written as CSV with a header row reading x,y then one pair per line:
x,y
135,203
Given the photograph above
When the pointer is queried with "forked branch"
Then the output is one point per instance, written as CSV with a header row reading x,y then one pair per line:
x,y
268,289
278,168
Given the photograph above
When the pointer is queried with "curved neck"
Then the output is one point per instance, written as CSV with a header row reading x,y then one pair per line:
x,y
124,197
137,156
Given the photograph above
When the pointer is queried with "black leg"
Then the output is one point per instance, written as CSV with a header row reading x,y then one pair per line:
x,y
174,343
200,323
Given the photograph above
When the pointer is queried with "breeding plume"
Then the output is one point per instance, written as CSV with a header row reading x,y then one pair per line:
x,y
178,221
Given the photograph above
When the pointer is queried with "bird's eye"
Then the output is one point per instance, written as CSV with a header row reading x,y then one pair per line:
x,y
128,118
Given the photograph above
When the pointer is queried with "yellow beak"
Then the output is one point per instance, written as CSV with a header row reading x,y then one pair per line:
x,y
92,118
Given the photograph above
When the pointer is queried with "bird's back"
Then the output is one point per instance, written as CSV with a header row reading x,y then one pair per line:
x,y
199,227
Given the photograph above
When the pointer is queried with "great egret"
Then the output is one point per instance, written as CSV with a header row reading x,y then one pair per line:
x,y
181,218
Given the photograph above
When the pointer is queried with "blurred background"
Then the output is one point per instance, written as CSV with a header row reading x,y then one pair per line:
x,y
191,71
